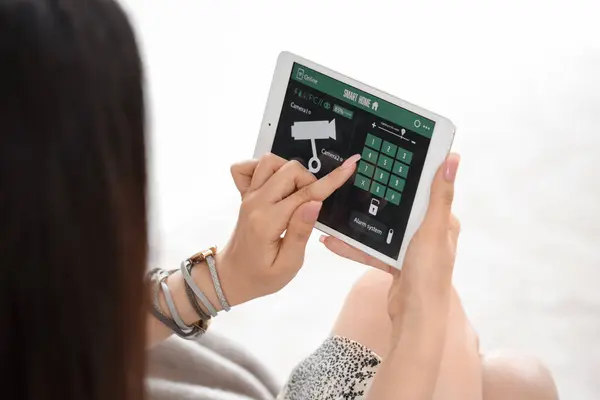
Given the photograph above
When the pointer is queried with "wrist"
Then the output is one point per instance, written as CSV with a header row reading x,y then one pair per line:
x,y
184,308
421,322
201,276
235,289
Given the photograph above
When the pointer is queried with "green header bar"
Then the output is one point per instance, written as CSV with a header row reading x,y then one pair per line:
x,y
363,100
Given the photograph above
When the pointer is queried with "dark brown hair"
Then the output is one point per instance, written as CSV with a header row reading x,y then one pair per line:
x,y
73,236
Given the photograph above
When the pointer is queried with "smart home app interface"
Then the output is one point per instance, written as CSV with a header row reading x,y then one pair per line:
x,y
324,121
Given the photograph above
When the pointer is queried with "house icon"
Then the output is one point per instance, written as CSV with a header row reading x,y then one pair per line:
x,y
375,106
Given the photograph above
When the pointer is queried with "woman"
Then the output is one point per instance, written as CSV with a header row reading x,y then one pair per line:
x,y
73,239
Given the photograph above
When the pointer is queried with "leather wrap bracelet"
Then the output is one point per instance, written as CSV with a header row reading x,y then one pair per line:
x,y
156,276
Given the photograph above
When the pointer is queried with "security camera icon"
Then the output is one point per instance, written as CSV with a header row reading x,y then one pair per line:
x,y
313,130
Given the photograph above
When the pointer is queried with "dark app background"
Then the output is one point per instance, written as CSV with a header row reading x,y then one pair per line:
x,y
349,202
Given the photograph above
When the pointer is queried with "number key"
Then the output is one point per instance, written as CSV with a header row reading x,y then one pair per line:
x,y
389,149
393,197
373,141
369,155
377,189
397,183
365,169
381,176
400,169
404,155
385,162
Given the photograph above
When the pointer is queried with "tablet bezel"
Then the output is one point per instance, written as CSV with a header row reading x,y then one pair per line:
x,y
440,145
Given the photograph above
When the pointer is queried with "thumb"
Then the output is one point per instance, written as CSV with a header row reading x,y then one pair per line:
x,y
293,245
442,193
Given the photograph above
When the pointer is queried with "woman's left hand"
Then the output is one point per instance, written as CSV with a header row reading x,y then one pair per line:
x,y
278,197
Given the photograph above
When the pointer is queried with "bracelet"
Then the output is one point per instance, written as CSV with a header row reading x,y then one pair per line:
x,y
208,256
185,270
212,266
155,277
172,308
194,302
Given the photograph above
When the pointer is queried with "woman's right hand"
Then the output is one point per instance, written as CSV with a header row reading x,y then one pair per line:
x,y
425,280
419,299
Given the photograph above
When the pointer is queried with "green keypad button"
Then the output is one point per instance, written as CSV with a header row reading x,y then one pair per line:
x,y
369,155
365,169
362,182
385,162
389,149
397,183
392,196
377,189
404,155
373,141
400,169
381,176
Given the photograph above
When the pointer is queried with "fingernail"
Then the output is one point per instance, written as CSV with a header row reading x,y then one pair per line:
x,y
322,238
311,212
451,167
349,163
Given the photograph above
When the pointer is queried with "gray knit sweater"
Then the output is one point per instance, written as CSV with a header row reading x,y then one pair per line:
x,y
210,368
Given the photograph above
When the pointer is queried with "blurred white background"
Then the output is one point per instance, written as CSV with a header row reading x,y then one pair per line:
x,y
521,80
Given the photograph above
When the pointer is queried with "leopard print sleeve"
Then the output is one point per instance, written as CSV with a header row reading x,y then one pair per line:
x,y
339,369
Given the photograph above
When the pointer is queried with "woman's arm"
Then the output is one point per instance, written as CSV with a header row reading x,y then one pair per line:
x,y
419,297
278,197
156,330
242,174
410,370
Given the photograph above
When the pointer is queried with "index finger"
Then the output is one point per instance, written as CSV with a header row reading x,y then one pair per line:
x,y
321,189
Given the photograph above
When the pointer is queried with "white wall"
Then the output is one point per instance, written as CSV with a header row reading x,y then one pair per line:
x,y
521,80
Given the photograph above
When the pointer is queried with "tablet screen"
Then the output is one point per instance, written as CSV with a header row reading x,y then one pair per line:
x,y
323,121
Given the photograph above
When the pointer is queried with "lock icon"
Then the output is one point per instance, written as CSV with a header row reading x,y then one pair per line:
x,y
374,207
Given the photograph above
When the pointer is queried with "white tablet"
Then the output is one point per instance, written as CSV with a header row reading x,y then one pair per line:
x,y
320,117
